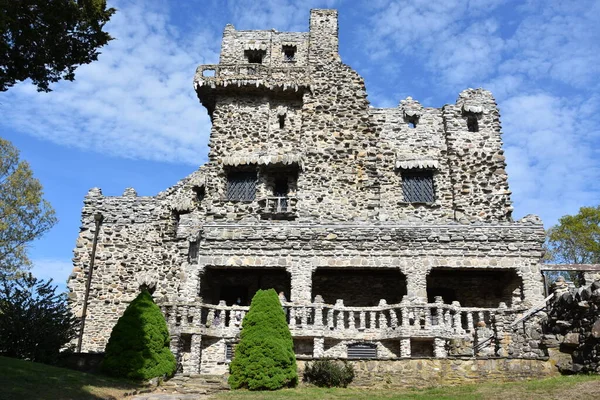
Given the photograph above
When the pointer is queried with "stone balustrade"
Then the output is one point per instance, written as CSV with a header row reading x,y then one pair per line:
x,y
384,321
237,74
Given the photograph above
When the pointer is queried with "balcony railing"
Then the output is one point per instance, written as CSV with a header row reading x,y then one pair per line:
x,y
278,205
319,319
224,74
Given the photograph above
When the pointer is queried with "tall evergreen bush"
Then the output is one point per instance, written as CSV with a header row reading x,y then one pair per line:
x,y
138,347
264,359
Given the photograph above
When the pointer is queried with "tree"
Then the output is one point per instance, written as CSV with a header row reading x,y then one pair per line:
x,y
35,321
46,40
138,347
24,214
576,238
264,359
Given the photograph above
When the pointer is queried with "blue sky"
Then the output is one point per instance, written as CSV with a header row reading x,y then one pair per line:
x,y
132,118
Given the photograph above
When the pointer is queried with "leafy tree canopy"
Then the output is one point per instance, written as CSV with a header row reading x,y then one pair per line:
x,y
138,347
35,322
576,238
264,359
46,40
24,214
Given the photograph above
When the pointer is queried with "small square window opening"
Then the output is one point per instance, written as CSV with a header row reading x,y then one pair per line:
x,y
472,124
289,53
255,56
412,121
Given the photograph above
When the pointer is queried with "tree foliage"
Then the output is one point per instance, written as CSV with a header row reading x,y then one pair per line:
x,y
24,214
138,347
46,40
264,359
35,321
576,238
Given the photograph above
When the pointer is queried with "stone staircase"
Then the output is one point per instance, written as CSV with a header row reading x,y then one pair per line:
x,y
190,387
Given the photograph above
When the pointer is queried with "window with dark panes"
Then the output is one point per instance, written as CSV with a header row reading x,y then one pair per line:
x,y
193,252
241,186
417,186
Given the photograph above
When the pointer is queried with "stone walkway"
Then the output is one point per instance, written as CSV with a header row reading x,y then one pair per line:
x,y
171,396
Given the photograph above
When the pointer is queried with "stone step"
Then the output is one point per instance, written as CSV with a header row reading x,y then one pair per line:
x,y
196,384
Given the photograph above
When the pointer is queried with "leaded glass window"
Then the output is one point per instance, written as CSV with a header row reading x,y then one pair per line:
x,y
241,186
417,186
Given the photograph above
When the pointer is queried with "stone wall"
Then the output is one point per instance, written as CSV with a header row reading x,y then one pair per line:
x,y
431,372
573,327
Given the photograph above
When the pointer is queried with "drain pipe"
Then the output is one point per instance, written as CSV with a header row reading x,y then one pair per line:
x,y
98,220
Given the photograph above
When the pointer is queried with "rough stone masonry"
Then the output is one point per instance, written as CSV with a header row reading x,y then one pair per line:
x,y
388,230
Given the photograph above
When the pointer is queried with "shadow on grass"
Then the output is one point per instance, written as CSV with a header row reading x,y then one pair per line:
x,y
27,380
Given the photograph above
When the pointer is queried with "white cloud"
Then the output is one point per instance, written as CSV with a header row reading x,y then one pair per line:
x,y
552,160
136,101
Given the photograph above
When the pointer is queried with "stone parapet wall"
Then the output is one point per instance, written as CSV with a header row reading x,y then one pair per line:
x,y
431,372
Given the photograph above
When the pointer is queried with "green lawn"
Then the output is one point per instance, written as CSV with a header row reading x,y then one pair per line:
x,y
562,387
24,380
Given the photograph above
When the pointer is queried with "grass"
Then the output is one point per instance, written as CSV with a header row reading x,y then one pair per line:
x,y
562,387
28,380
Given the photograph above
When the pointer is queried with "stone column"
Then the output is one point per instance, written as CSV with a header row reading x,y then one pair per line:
x,y
174,345
192,364
301,284
502,331
416,287
318,347
439,348
405,348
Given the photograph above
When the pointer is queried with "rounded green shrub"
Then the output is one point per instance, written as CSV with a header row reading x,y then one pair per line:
x,y
328,373
264,359
138,347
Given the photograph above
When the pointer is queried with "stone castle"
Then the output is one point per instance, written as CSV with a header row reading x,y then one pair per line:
x,y
388,230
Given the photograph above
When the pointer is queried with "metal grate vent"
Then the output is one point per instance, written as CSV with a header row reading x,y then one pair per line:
x,y
241,186
417,186
362,350
229,349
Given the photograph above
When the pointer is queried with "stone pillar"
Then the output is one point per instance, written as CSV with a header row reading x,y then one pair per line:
x,y
405,348
192,364
174,345
502,331
318,347
439,348
301,285
416,287
484,340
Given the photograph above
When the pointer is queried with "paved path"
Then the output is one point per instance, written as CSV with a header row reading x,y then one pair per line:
x,y
171,396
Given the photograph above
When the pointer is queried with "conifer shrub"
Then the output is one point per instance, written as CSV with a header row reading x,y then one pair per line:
x,y
264,358
328,373
138,347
